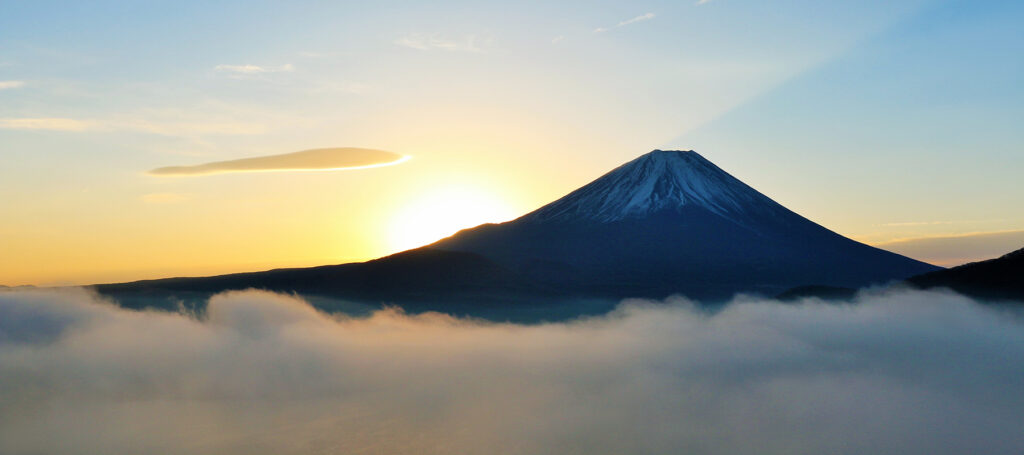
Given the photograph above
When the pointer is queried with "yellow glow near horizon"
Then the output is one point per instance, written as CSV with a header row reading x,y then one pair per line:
x,y
442,212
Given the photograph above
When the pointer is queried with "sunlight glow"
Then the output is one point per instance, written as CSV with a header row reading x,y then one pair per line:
x,y
442,212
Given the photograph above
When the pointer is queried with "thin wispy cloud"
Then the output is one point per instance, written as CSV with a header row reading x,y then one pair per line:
x,y
915,223
255,69
426,42
329,159
936,223
47,123
640,18
184,128
166,128
702,2
4,85
313,54
954,249
558,39
252,71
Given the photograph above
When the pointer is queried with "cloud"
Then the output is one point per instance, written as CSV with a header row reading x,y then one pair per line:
x,y
254,69
4,85
46,123
640,18
905,372
185,128
425,42
329,159
169,128
952,250
702,2
937,223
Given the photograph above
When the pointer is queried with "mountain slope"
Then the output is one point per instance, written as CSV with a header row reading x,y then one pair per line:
x,y
667,222
999,278
658,181
671,221
421,274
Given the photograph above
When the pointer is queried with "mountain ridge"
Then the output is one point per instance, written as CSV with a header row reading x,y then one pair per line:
x,y
667,222
1000,278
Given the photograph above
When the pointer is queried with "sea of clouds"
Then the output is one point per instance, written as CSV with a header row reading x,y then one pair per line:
x,y
896,372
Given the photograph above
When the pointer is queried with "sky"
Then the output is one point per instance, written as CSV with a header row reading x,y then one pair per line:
x,y
893,123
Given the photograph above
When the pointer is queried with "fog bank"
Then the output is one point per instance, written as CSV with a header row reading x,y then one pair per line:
x,y
907,372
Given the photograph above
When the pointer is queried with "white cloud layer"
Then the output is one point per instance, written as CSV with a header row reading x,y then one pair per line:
x,y
902,372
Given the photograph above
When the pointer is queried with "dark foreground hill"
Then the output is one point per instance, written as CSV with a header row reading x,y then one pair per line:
x,y
1001,278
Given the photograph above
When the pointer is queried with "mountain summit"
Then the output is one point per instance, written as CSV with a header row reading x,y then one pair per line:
x,y
667,222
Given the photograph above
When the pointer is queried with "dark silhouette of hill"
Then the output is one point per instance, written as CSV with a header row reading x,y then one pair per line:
x,y
413,275
1001,278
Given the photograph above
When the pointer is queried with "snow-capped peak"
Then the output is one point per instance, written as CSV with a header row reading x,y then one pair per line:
x,y
657,181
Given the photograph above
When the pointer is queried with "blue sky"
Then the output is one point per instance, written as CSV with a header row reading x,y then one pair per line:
x,y
913,129
884,121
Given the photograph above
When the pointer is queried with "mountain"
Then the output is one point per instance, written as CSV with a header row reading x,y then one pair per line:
x,y
672,221
1001,278
667,222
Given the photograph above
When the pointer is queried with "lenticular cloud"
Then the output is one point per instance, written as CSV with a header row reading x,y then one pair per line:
x,y
898,372
329,159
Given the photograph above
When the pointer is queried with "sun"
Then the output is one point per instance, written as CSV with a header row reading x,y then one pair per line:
x,y
442,212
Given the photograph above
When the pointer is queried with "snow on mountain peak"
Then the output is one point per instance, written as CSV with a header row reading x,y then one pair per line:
x,y
656,181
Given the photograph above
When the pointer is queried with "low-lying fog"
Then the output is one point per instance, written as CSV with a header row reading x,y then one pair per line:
x,y
899,371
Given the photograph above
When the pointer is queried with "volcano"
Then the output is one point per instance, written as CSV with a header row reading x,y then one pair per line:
x,y
673,222
668,222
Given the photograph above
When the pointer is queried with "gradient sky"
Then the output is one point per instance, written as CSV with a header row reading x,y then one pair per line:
x,y
895,123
